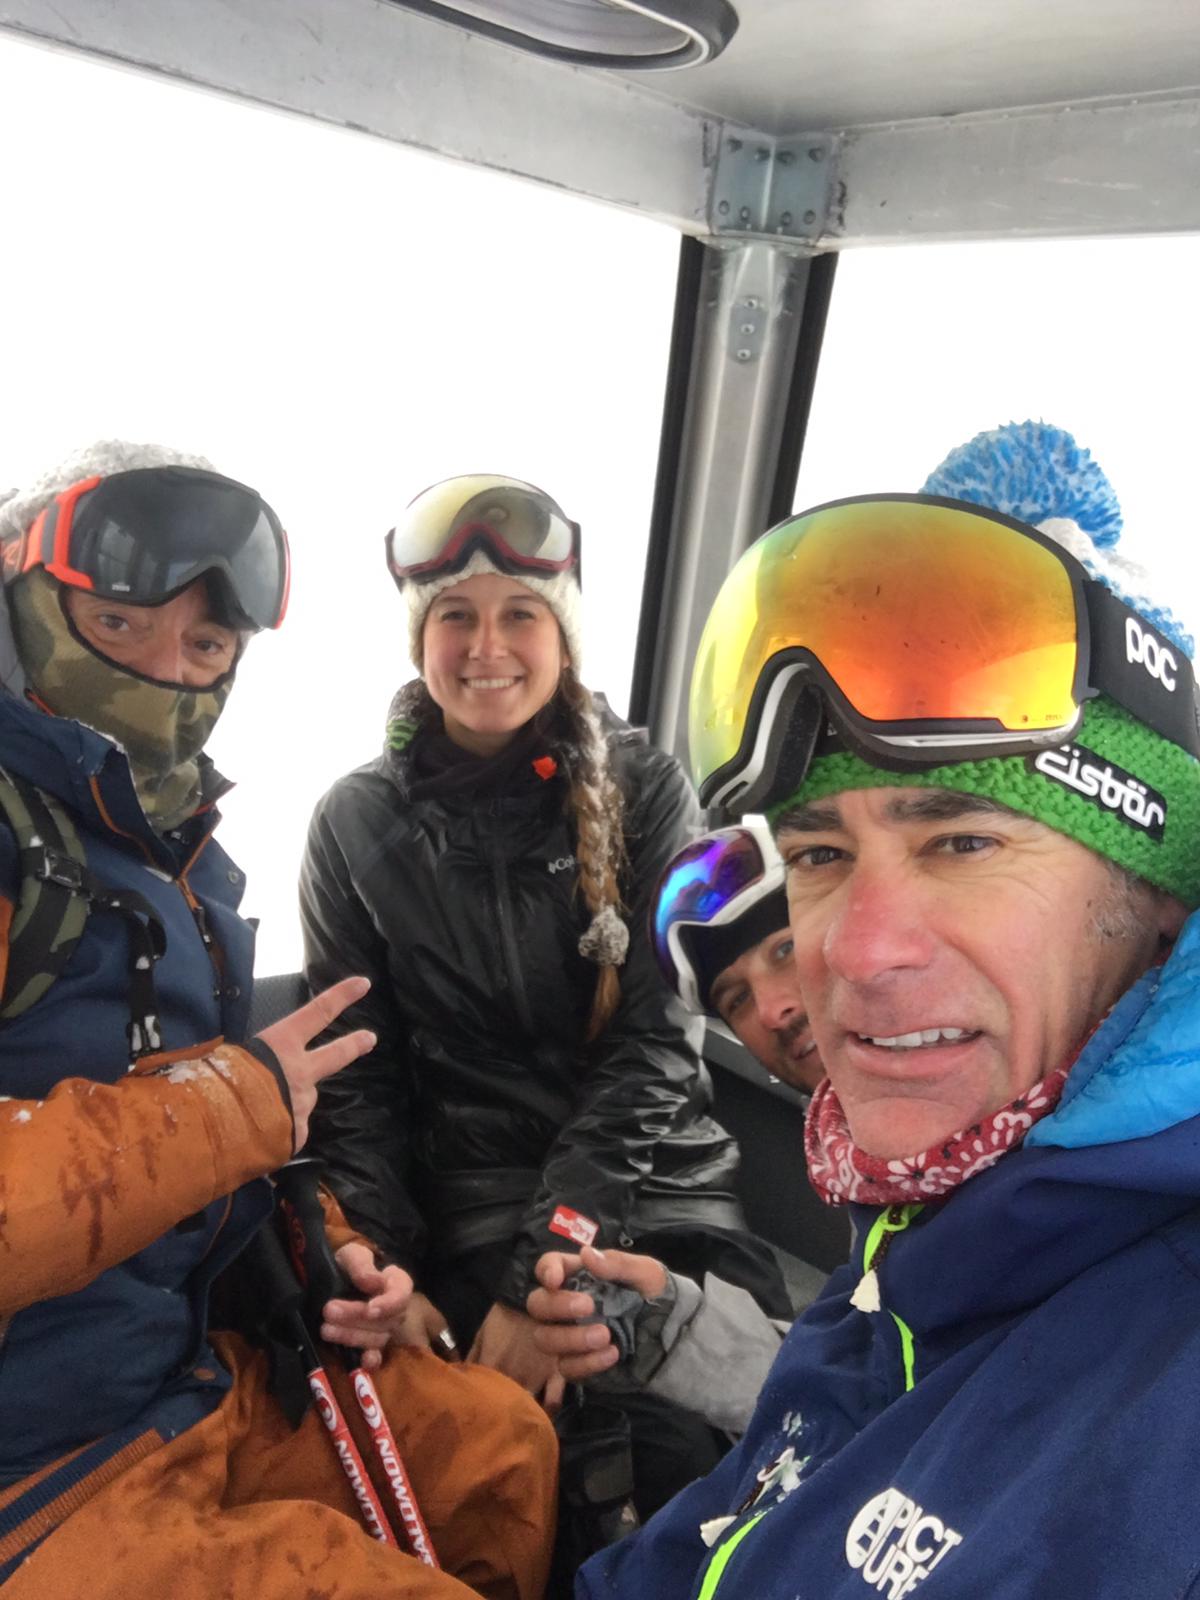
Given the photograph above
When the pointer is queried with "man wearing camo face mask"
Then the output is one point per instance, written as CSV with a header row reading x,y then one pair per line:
x,y
70,641
105,648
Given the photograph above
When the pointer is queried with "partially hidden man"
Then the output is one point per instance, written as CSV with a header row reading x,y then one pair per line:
x,y
975,735
719,927
138,1456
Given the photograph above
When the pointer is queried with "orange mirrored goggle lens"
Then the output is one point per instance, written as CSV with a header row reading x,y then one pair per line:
x,y
918,611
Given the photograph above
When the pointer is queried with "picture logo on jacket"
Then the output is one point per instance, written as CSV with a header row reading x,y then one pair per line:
x,y
1106,785
895,1544
563,864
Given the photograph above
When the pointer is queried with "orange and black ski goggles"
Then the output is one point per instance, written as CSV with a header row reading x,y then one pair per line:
x,y
921,631
140,537
518,527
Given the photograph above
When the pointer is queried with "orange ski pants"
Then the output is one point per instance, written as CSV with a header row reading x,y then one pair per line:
x,y
240,1507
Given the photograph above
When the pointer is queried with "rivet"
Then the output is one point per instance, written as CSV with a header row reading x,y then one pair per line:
x,y
786,157
786,219
735,144
816,154
723,208
743,355
762,153
810,217
744,213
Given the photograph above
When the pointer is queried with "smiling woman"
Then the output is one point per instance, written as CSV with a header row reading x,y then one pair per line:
x,y
534,1080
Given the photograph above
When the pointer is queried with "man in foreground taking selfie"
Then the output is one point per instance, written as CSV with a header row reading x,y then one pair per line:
x,y
977,743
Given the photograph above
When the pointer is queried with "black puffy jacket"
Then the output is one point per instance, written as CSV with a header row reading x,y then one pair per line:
x,y
482,1109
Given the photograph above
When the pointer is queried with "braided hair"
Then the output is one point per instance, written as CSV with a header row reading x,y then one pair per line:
x,y
597,807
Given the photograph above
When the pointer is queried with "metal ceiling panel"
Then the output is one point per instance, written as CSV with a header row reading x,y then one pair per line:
x,y
992,129
797,64
367,65
1071,171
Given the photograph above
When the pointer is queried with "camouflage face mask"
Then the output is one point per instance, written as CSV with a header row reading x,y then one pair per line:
x,y
162,729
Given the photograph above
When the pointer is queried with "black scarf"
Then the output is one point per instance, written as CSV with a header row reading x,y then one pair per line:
x,y
432,765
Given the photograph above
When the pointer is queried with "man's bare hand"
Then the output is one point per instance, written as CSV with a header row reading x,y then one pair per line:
x,y
424,1325
377,1320
505,1342
584,1349
304,1068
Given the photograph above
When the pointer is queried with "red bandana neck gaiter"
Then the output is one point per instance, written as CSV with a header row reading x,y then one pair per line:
x,y
840,1172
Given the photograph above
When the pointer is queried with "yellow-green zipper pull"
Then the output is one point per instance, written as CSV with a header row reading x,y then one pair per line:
x,y
867,1296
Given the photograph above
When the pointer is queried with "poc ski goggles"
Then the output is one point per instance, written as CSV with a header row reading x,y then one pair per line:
x,y
711,883
517,526
142,536
919,631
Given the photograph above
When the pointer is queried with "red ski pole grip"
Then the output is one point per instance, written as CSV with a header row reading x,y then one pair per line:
x,y
369,1505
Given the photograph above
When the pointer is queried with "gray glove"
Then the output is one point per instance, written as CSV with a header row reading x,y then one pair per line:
x,y
635,1324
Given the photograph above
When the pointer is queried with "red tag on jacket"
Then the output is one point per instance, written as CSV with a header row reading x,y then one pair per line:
x,y
545,767
573,1225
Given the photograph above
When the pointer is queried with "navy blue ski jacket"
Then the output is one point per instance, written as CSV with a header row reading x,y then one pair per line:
x,y
1021,1417
121,1195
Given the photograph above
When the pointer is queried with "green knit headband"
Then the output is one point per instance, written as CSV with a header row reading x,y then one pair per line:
x,y
1150,825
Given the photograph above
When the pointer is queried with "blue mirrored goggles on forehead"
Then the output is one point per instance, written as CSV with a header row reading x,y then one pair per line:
x,y
709,883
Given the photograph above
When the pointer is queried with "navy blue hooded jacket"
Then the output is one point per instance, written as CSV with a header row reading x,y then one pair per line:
x,y
121,1195
1041,1435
